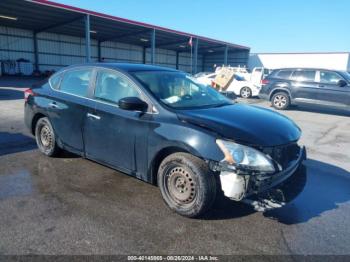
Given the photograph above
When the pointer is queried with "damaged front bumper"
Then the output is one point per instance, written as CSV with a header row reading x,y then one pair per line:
x,y
266,191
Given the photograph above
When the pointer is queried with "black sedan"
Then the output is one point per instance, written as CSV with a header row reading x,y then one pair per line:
x,y
161,126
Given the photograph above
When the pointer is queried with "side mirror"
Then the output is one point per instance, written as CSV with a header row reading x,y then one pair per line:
x,y
132,104
341,83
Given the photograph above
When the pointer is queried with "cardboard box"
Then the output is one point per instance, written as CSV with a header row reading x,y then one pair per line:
x,y
223,78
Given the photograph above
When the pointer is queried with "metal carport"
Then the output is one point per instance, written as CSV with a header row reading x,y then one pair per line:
x,y
97,29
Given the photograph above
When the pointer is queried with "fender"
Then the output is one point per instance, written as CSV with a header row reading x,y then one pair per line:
x,y
180,138
33,113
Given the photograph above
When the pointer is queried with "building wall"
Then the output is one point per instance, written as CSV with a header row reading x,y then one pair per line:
x,y
234,58
337,61
15,44
56,51
168,58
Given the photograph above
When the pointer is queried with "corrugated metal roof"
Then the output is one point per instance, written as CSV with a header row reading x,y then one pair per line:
x,y
40,15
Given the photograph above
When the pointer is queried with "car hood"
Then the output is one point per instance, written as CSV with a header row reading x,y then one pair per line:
x,y
246,124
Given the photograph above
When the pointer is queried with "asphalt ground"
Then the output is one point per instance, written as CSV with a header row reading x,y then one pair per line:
x,y
70,205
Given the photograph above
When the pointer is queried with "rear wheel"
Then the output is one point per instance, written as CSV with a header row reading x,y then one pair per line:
x,y
187,185
280,101
45,137
246,92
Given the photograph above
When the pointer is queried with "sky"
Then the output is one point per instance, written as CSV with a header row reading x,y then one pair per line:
x,y
264,26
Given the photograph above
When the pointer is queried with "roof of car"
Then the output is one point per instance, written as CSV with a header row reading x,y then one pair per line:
x,y
128,67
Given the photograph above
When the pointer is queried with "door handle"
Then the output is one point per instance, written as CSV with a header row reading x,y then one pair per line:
x,y
93,116
53,105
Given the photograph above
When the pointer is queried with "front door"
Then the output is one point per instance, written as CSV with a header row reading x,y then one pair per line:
x,y
330,93
112,135
303,86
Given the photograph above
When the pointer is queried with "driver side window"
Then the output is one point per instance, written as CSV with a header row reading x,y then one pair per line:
x,y
328,77
112,86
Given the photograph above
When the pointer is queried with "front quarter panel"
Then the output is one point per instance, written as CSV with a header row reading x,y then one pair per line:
x,y
185,137
35,105
188,138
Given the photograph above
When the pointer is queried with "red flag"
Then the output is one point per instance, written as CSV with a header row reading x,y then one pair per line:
x,y
190,42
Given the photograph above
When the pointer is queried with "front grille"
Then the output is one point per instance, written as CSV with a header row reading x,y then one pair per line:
x,y
284,154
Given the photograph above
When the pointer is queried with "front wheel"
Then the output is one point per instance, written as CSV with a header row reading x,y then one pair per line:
x,y
45,137
280,101
187,185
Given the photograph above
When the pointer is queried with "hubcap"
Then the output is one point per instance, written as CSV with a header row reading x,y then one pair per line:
x,y
46,136
181,185
280,101
245,92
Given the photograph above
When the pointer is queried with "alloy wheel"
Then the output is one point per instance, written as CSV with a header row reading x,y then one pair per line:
x,y
245,92
280,101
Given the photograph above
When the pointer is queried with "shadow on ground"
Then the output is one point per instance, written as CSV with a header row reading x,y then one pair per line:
x,y
19,81
225,208
322,110
327,187
15,142
10,94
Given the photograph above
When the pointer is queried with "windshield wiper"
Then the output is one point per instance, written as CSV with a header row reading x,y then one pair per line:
x,y
222,104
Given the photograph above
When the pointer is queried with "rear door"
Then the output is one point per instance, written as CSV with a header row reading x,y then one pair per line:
x,y
112,135
304,87
68,104
329,92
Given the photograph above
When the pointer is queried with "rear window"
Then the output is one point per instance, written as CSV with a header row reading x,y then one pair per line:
x,y
304,75
55,81
284,74
76,81
239,78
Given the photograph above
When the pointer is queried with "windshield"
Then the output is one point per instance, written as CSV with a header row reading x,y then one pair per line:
x,y
201,74
180,91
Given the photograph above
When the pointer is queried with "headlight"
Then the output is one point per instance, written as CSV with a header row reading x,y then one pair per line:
x,y
244,156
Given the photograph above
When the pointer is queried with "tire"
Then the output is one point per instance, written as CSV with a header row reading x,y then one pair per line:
x,y
187,185
280,100
45,137
245,92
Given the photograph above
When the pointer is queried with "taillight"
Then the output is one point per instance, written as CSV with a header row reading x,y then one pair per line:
x,y
28,92
264,82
